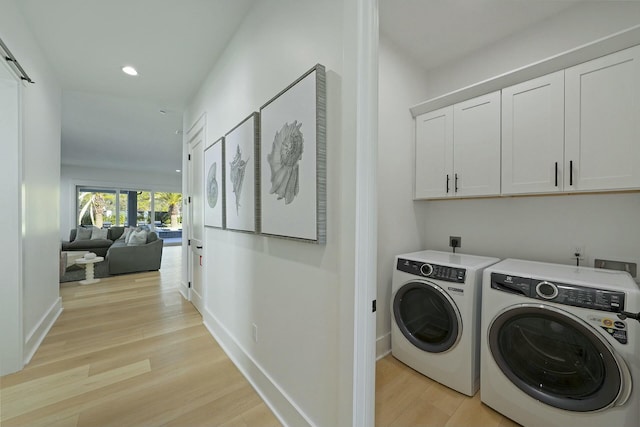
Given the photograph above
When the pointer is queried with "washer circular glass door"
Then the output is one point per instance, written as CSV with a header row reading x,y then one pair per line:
x,y
555,358
427,316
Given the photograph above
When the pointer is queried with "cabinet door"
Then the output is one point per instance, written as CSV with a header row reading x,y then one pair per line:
x,y
476,146
602,134
533,135
434,139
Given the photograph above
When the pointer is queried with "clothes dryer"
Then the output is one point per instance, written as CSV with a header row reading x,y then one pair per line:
x,y
557,349
435,316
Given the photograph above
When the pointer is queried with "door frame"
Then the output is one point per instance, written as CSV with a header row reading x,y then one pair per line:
x,y
364,69
11,300
198,126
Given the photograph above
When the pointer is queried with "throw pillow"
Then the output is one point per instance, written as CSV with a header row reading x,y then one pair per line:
x,y
99,233
83,233
137,238
126,234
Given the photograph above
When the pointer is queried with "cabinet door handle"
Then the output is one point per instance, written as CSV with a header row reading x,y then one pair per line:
x,y
456,183
556,174
570,172
447,184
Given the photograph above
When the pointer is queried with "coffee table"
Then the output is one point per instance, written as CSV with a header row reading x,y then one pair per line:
x,y
88,264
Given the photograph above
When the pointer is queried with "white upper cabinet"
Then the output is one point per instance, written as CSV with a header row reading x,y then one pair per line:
x,y
533,136
574,130
434,153
476,146
602,123
458,149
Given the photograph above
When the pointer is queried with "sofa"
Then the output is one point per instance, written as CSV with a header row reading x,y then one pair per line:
x,y
97,246
120,255
122,258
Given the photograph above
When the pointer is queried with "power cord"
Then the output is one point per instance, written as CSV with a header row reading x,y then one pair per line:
x,y
624,314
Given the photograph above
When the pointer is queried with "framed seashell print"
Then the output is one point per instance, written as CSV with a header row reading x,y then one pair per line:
x,y
241,172
293,159
214,212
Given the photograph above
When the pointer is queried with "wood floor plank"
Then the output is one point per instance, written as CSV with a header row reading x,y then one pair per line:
x,y
20,399
405,398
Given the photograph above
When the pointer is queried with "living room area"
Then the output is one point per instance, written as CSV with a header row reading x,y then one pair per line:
x,y
118,231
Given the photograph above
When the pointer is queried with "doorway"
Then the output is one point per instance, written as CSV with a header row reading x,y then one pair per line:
x,y
196,139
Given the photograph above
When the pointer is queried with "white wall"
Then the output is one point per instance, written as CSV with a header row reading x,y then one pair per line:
x,y
400,221
538,228
72,176
573,27
296,293
40,180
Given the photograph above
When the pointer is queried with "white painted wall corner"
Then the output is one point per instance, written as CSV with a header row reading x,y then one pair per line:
x,y
40,331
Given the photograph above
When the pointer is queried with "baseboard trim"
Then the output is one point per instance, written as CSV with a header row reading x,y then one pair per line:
x,y
283,407
184,290
383,345
37,334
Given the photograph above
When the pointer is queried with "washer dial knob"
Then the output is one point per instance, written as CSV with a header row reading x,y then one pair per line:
x,y
546,290
426,269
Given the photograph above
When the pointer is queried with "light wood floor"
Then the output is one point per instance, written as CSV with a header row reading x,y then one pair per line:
x,y
405,397
129,351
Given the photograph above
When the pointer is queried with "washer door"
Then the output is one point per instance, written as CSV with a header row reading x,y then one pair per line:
x,y
427,316
556,358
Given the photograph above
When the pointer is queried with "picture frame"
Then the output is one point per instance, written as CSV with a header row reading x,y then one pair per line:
x,y
293,171
214,185
242,169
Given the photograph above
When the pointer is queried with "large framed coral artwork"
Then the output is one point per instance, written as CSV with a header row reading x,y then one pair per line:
x,y
293,160
241,166
214,184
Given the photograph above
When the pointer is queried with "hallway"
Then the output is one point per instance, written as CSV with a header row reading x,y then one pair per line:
x,y
130,351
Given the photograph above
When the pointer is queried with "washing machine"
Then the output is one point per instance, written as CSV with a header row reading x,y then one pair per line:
x,y
435,316
557,346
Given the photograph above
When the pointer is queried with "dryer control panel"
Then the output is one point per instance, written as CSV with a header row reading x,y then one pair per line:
x,y
561,293
432,271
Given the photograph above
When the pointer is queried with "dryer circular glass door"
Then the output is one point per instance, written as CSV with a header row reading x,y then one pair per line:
x,y
555,358
427,316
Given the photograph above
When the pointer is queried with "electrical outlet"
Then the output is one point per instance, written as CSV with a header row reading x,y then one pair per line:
x,y
578,252
255,332
455,241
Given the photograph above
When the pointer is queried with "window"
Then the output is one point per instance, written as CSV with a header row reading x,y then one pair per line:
x,y
106,207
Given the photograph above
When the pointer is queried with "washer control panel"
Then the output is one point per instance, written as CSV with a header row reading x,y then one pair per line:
x,y
432,271
561,293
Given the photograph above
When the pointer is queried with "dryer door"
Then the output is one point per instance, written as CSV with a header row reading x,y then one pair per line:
x,y
557,358
427,316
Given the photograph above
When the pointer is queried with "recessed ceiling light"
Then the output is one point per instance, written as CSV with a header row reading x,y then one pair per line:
x,y
130,70
178,170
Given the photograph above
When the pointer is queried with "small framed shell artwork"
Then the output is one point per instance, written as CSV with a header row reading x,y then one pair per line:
x,y
214,211
241,170
293,158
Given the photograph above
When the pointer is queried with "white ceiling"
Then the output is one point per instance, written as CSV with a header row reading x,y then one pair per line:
x,y
434,32
112,120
